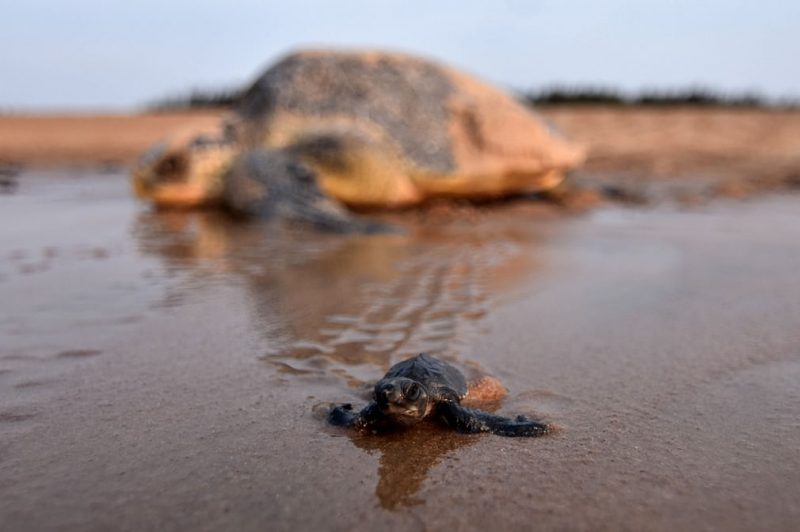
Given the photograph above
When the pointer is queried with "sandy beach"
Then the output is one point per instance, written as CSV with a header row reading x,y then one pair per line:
x,y
79,140
230,231
641,153
167,370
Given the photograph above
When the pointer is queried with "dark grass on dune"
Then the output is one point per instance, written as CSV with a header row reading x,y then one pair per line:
x,y
200,98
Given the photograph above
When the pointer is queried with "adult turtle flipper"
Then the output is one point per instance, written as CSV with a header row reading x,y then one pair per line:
x,y
267,183
473,421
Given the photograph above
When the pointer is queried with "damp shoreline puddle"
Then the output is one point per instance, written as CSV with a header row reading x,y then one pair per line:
x,y
169,369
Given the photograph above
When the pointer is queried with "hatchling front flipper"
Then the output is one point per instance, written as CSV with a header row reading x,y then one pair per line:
x,y
473,421
344,416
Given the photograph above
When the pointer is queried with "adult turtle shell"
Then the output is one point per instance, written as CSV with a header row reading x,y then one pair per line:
x,y
374,129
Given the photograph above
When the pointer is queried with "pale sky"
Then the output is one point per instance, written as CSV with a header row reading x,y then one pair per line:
x,y
116,54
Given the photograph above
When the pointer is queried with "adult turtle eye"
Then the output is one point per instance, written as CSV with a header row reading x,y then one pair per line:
x,y
412,392
172,168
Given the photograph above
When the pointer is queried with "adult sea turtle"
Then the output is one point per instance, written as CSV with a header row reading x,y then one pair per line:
x,y
320,130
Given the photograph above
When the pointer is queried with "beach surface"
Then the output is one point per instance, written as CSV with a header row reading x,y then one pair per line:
x,y
684,153
171,371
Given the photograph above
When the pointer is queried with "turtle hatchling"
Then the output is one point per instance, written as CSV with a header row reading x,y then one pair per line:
x,y
323,131
425,387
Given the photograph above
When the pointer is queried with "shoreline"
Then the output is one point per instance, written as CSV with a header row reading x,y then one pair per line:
x,y
635,154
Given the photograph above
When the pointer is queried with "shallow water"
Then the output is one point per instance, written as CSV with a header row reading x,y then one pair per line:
x,y
169,370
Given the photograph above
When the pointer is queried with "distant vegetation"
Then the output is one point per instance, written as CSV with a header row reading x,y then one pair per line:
x,y
693,97
198,99
556,95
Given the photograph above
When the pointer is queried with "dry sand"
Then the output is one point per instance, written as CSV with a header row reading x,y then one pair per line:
x,y
88,140
640,152
166,370
688,154
684,142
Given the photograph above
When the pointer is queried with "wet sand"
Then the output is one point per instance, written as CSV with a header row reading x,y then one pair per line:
x,y
167,371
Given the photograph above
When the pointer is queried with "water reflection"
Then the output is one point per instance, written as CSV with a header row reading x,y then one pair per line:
x,y
345,305
406,459
9,177
337,311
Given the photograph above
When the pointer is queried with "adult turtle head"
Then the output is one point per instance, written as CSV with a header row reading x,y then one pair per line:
x,y
185,170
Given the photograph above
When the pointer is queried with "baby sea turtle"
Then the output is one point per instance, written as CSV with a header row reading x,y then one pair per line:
x,y
323,130
425,387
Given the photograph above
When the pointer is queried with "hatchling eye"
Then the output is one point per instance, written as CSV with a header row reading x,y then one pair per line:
x,y
412,392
